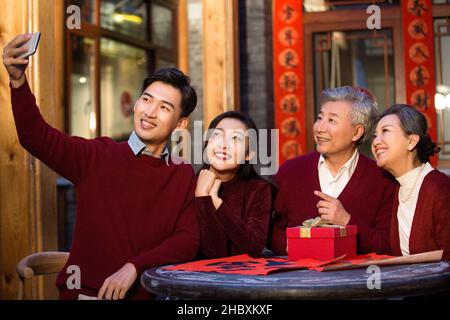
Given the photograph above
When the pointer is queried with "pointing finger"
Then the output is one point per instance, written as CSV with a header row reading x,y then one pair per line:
x,y
323,196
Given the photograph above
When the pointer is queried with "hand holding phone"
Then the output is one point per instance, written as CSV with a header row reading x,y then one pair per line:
x,y
32,45
15,56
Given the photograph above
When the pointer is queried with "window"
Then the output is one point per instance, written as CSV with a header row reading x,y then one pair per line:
x,y
119,43
441,14
87,9
162,18
83,94
339,54
126,17
122,68
441,1
357,58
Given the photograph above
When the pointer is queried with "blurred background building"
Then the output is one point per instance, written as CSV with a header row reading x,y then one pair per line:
x,y
267,58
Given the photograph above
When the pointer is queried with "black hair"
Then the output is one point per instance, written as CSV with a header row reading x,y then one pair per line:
x,y
178,80
246,171
413,121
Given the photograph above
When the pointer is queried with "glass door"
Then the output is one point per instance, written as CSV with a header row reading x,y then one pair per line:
x,y
339,54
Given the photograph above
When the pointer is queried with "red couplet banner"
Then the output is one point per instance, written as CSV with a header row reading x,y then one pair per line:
x,y
288,67
419,60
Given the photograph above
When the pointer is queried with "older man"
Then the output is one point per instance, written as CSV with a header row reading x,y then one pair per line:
x,y
337,182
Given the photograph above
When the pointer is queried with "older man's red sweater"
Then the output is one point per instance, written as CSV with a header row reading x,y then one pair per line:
x,y
367,197
129,208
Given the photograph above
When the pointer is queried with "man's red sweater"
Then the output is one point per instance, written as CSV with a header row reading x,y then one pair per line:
x,y
430,228
367,197
129,208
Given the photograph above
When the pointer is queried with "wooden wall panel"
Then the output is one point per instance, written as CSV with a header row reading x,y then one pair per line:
x,y
16,225
50,81
183,36
28,219
220,57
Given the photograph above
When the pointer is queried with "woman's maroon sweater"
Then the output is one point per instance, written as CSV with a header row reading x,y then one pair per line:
x,y
240,224
431,223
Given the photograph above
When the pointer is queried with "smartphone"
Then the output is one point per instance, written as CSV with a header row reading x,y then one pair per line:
x,y
32,45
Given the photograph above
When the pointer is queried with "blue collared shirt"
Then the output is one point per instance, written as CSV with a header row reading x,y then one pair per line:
x,y
138,146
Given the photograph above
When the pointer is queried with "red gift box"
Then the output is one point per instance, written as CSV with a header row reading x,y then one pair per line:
x,y
322,243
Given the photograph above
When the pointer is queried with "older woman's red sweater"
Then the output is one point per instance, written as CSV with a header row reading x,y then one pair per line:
x,y
367,197
431,223
129,208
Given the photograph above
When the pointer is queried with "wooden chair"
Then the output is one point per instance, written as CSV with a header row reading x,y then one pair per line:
x,y
41,263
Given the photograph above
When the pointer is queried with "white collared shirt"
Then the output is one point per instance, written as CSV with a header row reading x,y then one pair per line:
x,y
333,186
410,184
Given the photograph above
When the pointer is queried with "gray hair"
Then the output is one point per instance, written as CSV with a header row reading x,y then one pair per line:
x,y
364,107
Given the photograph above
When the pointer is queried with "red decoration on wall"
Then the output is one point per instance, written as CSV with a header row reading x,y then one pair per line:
x,y
419,60
289,94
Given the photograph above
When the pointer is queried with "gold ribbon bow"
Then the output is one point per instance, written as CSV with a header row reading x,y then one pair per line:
x,y
305,230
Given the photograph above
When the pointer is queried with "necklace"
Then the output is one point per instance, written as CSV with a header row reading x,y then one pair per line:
x,y
413,187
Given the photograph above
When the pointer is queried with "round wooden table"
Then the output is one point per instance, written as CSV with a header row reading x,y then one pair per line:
x,y
396,282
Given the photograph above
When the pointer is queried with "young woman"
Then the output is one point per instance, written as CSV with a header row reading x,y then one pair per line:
x,y
234,202
421,212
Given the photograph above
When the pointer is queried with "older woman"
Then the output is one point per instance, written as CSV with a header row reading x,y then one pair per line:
x,y
421,212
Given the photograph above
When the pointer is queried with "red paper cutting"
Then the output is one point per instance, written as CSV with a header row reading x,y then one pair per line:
x,y
246,265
